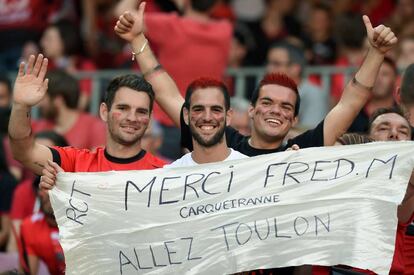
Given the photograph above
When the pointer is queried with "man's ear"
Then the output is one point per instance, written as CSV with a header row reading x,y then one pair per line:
x,y
398,95
295,121
185,116
250,111
229,115
103,111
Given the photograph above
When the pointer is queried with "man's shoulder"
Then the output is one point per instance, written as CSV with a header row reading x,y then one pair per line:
x,y
69,157
311,138
237,155
185,160
77,151
154,161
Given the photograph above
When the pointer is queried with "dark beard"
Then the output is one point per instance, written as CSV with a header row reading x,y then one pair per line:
x,y
217,138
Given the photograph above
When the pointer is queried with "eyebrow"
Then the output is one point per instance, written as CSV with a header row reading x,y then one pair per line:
x,y
203,106
265,98
283,102
386,123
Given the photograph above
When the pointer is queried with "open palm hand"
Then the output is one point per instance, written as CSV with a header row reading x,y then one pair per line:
x,y
31,86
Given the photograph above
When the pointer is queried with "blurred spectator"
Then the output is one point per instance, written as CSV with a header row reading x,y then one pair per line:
x,y
351,37
152,139
241,43
286,58
24,202
14,167
402,16
97,25
7,185
319,38
406,51
406,93
60,113
62,45
40,239
240,119
5,101
382,96
23,21
277,23
200,47
5,91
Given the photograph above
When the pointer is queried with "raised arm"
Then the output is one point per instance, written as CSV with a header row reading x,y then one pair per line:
x,y
130,28
358,90
29,89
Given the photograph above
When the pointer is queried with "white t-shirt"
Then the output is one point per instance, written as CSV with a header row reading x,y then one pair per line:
x,y
187,159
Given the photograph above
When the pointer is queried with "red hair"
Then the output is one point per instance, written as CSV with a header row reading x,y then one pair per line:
x,y
281,80
207,82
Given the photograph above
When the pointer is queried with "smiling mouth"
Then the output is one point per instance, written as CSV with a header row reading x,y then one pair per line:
x,y
207,129
273,122
130,128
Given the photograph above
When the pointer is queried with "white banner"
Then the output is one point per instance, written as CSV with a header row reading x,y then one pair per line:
x,y
326,206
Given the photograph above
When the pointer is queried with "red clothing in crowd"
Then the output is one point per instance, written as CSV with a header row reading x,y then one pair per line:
x,y
42,240
188,49
409,254
398,261
87,132
82,160
24,199
29,14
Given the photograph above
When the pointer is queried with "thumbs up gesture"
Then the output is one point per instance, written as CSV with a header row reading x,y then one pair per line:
x,y
381,37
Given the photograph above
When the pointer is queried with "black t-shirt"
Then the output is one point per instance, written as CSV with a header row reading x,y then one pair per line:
x,y
239,142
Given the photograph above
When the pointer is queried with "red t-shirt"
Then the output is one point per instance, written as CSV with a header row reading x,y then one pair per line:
x,y
409,254
42,240
188,49
82,160
87,132
24,199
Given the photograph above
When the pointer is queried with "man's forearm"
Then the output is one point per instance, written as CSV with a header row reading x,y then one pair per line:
x,y
20,131
354,97
165,89
19,124
369,69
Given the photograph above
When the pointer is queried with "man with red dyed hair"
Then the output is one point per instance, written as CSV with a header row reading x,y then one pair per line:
x,y
275,103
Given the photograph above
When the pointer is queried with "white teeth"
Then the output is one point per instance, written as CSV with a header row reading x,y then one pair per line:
x,y
273,121
129,128
207,127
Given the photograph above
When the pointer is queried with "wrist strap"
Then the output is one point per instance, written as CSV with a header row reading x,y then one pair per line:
x,y
140,50
360,85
